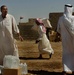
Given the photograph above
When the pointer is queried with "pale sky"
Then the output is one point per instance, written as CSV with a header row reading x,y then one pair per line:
x,y
34,8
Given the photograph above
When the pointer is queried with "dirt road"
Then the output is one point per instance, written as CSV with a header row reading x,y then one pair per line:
x,y
28,52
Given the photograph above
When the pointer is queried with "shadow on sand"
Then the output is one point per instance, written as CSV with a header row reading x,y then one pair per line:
x,y
42,72
30,58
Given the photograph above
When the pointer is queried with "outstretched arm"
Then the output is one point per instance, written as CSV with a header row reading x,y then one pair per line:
x,y
20,37
16,29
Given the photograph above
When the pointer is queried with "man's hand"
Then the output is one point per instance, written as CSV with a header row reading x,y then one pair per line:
x,y
20,37
37,41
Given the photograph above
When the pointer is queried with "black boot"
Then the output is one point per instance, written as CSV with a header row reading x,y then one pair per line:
x,y
50,55
64,73
40,57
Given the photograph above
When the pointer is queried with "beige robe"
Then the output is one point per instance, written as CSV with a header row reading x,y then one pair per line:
x,y
44,45
7,43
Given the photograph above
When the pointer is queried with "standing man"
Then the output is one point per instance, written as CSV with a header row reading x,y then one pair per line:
x,y
7,24
66,29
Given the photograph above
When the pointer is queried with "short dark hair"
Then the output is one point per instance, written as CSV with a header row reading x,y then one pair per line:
x,y
2,7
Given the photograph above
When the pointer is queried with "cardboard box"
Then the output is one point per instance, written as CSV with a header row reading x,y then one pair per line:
x,y
7,71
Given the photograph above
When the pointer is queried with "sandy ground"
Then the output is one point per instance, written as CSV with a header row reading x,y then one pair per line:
x,y
28,52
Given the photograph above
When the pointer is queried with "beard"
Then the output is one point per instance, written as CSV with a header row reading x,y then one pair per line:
x,y
4,15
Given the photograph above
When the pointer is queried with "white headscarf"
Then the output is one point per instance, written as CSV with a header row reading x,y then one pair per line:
x,y
68,9
69,18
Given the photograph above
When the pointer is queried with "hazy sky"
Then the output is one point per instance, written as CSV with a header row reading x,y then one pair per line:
x,y
34,8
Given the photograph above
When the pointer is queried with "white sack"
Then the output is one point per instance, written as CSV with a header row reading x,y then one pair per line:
x,y
46,23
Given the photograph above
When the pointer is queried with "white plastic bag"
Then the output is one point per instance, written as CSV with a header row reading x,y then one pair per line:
x,y
24,68
11,62
46,23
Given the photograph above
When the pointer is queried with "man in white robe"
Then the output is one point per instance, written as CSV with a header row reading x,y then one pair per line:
x,y
7,24
44,45
66,29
